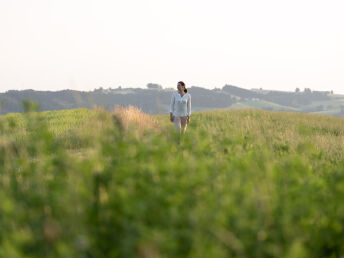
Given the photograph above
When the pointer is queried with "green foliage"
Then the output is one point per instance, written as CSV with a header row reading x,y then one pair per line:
x,y
30,106
239,183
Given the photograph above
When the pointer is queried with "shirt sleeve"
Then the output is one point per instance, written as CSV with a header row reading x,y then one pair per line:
x,y
172,104
189,106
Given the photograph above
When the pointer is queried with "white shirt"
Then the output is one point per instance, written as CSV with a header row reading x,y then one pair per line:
x,y
180,105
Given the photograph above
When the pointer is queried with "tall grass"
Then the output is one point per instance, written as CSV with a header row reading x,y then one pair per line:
x,y
239,183
132,116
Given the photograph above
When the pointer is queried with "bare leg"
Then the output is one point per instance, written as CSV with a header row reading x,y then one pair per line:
x,y
177,123
183,123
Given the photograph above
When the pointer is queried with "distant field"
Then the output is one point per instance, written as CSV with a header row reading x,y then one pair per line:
x,y
239,183
261,104
329,107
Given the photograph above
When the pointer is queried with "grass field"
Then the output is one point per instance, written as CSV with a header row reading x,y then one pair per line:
x,y
239,183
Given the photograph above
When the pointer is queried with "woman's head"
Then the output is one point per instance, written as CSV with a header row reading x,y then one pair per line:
x,y
181,87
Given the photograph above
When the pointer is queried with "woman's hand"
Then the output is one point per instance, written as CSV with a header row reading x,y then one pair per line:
x,y
187,119
171,117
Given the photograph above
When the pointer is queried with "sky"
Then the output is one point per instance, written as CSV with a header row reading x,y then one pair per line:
x,y
87,44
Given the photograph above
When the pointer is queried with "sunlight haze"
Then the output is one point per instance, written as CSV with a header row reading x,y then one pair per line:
x,y
82,45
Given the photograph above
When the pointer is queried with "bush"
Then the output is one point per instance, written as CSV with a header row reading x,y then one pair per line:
x,y
238,183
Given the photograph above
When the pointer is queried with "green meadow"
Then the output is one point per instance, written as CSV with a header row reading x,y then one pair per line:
x,y
239,183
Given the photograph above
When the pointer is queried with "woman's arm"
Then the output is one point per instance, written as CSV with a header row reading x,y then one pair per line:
x,y
172,104
189,106
172,107
188,111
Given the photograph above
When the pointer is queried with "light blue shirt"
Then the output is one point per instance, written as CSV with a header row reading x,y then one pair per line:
x,y
180,105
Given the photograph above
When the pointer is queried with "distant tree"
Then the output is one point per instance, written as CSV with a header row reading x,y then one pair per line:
x,y
307,90
100,89
119,87
331,91
297,90
154,86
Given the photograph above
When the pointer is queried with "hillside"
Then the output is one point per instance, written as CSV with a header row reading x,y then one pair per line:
x,y
239,183
156,100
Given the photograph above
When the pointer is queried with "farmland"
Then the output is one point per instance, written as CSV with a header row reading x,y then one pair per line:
x,y
239,183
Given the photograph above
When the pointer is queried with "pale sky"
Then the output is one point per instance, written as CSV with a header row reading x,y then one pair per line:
x,y
85,44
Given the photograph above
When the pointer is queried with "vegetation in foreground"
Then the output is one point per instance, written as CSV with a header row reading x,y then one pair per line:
x,y
239,183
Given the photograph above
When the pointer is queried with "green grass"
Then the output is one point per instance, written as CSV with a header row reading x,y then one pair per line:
x,y
239,183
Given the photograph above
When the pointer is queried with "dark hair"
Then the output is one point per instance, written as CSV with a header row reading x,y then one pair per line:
x,y
183,84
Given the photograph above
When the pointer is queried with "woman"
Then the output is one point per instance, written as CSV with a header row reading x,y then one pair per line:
x,y
180,107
